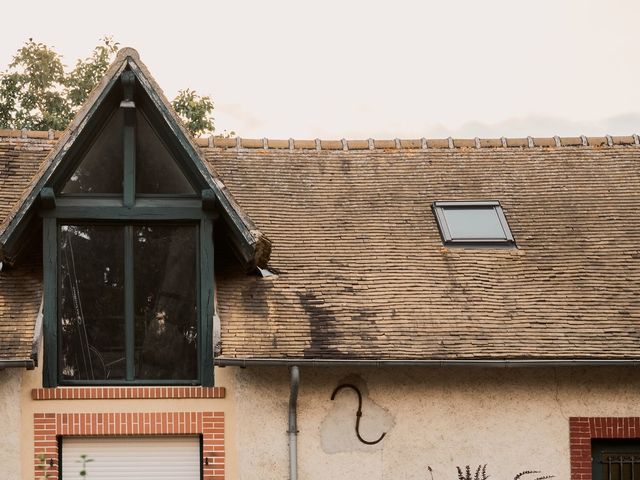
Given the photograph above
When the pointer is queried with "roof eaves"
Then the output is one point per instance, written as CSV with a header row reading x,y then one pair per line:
x,y
500,363
255,246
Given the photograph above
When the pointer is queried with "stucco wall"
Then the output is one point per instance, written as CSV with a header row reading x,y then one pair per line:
x,y
10,380
510,419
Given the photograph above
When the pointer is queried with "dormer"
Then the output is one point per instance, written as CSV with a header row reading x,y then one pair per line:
x,y
127,207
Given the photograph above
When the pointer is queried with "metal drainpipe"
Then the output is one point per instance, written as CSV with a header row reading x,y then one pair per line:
x,y
293,423
28,364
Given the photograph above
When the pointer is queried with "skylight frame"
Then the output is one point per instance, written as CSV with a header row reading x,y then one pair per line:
x,y
440,207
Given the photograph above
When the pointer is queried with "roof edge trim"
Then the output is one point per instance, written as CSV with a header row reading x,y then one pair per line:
x,y
54,158
257,247
500,363
241,143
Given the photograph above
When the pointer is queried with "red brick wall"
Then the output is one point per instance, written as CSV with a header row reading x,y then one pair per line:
x,y
99,393
49,426
583,429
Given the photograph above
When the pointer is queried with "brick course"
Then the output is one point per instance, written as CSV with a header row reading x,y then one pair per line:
x,y
123,393
48,427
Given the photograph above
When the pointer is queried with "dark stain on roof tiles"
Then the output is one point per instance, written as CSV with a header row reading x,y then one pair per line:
x,y
322,326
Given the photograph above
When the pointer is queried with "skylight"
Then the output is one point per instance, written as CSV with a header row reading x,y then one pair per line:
x,y
477,223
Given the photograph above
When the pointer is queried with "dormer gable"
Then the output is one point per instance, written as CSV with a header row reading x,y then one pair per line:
x,y
150,154
127,206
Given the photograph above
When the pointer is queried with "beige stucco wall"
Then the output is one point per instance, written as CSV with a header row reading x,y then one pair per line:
x,y
510,419
10,380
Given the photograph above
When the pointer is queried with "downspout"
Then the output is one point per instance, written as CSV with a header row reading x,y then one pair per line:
x,y
293,423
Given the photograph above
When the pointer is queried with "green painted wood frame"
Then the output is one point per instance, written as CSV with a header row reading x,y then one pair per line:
x,y
127,211
205,285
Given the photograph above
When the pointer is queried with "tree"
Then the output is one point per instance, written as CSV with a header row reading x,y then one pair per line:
x,y
88,72
194,110
32,90
37,93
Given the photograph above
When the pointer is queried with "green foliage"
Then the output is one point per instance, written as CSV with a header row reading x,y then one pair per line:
x,y
43,466
37,93
86,74
195,111
84,460
481,474
32,91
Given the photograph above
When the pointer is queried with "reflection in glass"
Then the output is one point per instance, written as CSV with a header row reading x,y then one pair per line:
x,y
165,302
91,322
473,223
156,169
101,169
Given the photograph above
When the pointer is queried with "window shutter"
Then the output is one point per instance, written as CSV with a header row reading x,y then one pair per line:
x,y
175,458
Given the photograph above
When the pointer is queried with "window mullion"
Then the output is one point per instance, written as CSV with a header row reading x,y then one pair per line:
x,y
129,308
129,182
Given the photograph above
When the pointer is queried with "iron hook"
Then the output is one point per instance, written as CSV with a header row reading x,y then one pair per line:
x,y
358,413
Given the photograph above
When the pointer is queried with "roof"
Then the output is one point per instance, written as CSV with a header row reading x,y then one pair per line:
x,y
253,245
362,273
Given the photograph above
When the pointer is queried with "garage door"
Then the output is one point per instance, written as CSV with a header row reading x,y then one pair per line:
x,y
132,458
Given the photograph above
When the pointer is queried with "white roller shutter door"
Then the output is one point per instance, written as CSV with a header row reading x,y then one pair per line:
x,y
133,458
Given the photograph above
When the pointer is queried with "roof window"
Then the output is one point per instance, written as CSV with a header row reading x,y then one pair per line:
x,y
477,223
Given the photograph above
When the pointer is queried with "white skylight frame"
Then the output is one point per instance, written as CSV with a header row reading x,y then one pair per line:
x,y
505,240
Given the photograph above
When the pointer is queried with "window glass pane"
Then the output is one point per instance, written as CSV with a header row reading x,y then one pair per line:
x,y
100,170
156,169
91,284
473,223
165,302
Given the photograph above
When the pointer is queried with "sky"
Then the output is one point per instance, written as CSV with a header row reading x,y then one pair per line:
x,y
371,69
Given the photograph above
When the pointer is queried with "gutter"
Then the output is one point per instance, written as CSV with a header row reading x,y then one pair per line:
x,y
311,362
28,364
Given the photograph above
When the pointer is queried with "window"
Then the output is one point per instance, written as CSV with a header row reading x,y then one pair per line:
x,y
128,248
480,223
616,459
99,340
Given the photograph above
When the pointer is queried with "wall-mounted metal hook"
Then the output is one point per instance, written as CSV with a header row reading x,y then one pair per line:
x,y
358,413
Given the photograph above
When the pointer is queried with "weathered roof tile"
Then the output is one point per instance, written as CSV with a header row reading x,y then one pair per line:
x,y
362,272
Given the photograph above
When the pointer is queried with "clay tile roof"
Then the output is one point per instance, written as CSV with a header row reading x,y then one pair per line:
x,y
361,270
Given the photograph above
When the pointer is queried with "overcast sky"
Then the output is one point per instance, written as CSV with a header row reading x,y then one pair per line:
x,y
334,69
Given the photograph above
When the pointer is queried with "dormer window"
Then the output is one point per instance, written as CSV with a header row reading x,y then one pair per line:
x,y
473,223
128,245
127,203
